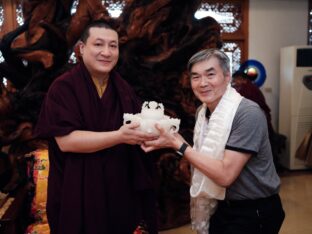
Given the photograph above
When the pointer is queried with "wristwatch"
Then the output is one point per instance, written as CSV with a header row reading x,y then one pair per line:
x,y
182,149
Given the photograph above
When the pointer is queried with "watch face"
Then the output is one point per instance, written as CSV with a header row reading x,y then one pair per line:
x,y
307,81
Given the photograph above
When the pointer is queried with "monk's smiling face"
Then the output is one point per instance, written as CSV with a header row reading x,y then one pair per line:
x,y
100,51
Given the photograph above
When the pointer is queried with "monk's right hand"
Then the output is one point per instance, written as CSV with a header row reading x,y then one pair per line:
x,y
131,134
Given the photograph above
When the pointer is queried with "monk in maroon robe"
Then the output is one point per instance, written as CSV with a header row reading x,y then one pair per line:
x,y
246,88
244,85
100,181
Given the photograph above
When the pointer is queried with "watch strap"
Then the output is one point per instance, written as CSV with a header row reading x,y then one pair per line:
x,y
182,149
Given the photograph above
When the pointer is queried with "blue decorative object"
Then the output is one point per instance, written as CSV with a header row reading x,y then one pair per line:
x,y
254,70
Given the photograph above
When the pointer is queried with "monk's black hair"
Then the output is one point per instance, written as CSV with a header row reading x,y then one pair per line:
x,y
96,24
240,74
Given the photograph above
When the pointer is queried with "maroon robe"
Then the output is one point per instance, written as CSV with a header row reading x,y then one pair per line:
x,y
106,192
249,90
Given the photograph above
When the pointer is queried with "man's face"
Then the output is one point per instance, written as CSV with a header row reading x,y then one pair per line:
x,y
208,82
100,52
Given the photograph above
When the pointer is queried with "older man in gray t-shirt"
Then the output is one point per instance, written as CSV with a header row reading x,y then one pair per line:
x,y
258,178
231,154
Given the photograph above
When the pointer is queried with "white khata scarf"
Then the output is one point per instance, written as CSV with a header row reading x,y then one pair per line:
x,y
210,137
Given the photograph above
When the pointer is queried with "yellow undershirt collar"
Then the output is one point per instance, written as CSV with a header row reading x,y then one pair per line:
x,y
100,87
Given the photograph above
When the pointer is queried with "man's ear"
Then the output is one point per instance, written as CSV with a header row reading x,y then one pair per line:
x,y
228,77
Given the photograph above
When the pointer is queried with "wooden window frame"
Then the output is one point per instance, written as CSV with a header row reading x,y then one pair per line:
x,y
309,39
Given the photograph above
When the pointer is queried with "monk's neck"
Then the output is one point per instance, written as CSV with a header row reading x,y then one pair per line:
x,y
101,80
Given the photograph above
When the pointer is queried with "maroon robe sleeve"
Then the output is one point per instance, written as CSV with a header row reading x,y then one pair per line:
x,y
59,112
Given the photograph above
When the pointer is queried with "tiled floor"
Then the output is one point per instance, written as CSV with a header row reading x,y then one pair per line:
x,y
296,194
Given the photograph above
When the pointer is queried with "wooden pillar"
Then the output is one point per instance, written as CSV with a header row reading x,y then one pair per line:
x,y
9,16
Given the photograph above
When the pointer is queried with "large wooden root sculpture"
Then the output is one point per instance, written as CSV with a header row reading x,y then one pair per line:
x,y
156,40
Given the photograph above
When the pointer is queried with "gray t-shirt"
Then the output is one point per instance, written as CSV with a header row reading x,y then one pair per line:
x,y
249,134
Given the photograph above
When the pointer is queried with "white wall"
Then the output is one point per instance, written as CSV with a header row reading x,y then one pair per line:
x,y
274,24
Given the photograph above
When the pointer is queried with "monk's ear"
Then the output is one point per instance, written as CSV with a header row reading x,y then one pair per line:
x,y
80,45
78,50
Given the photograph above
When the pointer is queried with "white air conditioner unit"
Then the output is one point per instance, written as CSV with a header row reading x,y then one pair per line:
x,y
295,102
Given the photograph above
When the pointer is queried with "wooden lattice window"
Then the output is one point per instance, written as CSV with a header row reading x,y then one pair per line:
x,y
232,15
